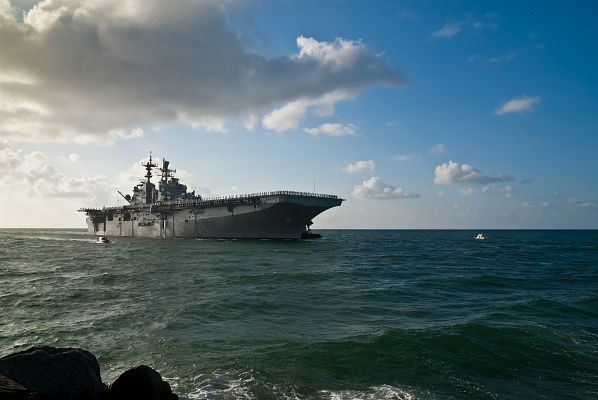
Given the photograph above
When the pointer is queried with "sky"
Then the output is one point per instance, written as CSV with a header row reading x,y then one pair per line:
x,y
421,114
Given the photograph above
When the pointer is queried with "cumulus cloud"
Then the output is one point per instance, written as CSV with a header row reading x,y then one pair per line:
x,y
286,117
332,129
340,54
33,175
452,172
374,188
289,116
91,71
518,105
74,157
360,166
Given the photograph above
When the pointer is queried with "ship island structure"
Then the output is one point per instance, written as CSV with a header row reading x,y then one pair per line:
x,y
169,211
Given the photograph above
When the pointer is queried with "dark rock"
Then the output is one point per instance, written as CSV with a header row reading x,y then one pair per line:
x,y
53,373
10,390
141,383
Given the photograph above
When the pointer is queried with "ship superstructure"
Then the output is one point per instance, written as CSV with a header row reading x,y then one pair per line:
x,y
169,211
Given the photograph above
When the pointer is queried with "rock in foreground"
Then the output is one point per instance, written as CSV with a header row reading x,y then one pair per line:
x,y
63,373
49,373
141,382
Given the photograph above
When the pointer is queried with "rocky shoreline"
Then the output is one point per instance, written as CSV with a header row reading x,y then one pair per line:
x,y
50,373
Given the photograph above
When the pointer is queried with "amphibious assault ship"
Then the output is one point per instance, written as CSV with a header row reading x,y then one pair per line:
x,y
169,211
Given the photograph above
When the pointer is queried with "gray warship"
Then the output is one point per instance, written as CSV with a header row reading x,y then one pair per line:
x,y
169,211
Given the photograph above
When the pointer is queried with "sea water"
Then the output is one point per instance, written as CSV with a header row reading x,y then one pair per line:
x,y
357,314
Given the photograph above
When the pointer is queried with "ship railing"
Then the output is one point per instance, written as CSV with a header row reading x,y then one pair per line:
x,y
101,209
216,200
239,199
275,193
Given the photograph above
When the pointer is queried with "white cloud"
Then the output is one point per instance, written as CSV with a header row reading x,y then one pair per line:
x,y
468,21
205,123
360,166
290,115
452,172
286,117
448,30
132,176
135,133
330,129
74,157
32,175
89,71
438,149
466,191
374,188
324,105
340,54
518,105
582,203
250,122
507,191
135,172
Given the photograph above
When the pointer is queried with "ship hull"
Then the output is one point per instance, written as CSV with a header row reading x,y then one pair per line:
x,y
271,217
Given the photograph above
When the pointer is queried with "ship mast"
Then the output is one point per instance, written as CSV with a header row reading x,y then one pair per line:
x,y
148,167
166,172
149,187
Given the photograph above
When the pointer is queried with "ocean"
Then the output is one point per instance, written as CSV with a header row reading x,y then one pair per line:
x,y
357,314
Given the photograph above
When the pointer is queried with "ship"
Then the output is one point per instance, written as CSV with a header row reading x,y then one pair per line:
x,y
170,211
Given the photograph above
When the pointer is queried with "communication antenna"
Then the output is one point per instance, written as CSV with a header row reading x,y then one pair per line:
x,y
148,167
166,172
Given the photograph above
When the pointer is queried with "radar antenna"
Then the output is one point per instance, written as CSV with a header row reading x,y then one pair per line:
x,y
148,167
166,172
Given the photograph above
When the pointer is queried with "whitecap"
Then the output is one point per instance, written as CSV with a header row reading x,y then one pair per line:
x,y
386,392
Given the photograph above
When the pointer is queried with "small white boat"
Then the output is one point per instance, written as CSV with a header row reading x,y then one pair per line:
x,y
103,239
480,236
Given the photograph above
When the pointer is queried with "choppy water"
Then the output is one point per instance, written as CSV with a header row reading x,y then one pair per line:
x,y
354,315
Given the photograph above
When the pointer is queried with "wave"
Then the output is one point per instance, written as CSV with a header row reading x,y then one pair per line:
x,y
250,385
57,238
476,358
382,392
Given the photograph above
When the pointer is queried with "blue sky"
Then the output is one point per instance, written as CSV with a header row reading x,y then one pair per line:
x,y
420,114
